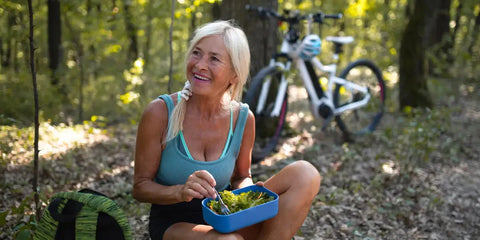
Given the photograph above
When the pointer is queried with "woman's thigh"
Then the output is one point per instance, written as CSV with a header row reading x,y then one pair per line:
x,y
185,230
298,174
299,180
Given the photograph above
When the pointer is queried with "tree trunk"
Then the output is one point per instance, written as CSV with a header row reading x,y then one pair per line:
x,y
438,27
458,14
437,34
475,34
35,187
148,34
261,33
132,53
193,25
80,63
170,36
5,55
54,38
93,70
413,72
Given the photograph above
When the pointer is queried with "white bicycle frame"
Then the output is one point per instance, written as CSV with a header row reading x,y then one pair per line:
x,y
292,50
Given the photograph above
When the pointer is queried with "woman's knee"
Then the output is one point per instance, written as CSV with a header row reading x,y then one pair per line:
x,y
231,236
307,179
306,172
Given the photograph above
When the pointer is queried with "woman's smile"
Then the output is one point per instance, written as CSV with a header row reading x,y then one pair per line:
x,y
200,77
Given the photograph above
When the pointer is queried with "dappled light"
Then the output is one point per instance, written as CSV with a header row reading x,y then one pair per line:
x,y
390,168
55,141
416,176
60,139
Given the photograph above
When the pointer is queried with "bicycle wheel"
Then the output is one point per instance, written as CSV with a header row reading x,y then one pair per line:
x,y
267,128
364,119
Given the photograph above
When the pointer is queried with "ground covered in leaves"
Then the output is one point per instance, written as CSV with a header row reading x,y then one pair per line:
x,y
417,177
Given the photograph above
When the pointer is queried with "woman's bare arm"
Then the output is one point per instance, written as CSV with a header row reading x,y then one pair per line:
x,y
242,176
148,153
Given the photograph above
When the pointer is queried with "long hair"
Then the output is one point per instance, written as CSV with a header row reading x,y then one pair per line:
x,y
237,46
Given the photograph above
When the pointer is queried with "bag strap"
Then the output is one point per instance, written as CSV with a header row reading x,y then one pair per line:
x,y
73,207
88,190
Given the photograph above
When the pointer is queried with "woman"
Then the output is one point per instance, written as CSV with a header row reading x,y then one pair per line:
x,y
201,138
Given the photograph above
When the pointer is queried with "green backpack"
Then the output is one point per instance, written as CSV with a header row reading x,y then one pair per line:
x,y
86,214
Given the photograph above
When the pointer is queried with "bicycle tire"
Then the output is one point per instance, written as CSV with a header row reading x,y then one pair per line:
x,y
267,129
365,119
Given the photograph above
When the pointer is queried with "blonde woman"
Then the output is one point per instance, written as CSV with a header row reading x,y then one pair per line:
x,y
201,138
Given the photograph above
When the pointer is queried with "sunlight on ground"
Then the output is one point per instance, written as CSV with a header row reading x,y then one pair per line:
x,y
61,139
54,140
390,168
299,107
298,117
472,111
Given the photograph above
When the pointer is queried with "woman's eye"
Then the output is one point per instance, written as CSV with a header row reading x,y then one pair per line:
x,y
215,59
195,52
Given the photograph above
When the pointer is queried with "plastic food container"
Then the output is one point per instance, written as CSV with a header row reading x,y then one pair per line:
x,y
244,218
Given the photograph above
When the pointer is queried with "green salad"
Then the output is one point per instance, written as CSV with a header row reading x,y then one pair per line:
x,y
238,202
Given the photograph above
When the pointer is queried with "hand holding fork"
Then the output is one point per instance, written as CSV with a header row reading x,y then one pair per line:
x,y
223,207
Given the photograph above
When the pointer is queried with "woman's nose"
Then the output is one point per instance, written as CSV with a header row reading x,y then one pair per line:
x,y
202,63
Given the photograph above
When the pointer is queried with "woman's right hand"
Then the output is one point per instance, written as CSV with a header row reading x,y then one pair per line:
x,y
200,185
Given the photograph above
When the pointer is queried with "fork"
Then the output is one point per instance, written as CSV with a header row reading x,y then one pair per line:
x,y
223,207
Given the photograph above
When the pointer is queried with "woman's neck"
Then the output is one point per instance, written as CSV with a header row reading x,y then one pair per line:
x,y
207,107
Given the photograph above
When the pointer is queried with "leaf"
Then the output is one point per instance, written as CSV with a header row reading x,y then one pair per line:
x,y
24,234
3,217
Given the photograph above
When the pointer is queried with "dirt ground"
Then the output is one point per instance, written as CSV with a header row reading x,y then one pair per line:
x,y
364,195
365,192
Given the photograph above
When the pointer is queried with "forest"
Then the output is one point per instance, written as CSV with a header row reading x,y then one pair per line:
x,y
97,64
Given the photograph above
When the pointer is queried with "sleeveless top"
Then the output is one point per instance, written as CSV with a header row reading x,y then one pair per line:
x,y
176,166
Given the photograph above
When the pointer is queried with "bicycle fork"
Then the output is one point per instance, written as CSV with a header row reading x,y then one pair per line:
x,y
282,89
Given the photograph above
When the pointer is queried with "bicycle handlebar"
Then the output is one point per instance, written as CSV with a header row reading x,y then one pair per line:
x,y
263,12
317,17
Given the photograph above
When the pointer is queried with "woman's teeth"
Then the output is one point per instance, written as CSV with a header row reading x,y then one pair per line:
x,y
200,77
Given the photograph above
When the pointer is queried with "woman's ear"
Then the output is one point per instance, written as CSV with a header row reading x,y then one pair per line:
x,y
234,80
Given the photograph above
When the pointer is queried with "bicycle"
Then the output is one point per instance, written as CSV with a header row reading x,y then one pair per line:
x,y
355,97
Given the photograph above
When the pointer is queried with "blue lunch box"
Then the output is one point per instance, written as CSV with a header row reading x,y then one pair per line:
x,y
232,222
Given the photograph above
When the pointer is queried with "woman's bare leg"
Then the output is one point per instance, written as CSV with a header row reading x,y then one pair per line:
x,y
197,231
297,185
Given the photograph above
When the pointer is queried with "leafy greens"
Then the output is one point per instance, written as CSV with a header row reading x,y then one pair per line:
x,y
238,202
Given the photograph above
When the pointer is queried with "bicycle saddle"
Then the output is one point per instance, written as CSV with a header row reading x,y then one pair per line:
x,y
340,40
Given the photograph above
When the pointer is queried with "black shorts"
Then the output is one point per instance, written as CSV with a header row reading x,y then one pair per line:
x,y
164,216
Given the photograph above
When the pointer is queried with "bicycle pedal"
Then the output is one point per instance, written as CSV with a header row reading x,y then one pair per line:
x,y
327,122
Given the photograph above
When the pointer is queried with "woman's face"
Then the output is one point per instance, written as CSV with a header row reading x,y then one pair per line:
x,y
209,67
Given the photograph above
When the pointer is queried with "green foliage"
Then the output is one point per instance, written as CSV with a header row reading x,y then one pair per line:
x,y
238,202
19,222
94,38
95,46
424,132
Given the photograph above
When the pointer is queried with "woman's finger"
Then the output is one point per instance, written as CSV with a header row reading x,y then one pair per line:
x,y
203,183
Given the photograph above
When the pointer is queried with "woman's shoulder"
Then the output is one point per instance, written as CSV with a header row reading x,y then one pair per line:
x,y
158,107
167,97
240,106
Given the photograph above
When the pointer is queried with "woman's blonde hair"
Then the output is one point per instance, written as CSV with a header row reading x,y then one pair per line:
x,y
237,46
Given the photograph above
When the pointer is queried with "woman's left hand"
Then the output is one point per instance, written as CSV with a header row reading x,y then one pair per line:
x,y
199,184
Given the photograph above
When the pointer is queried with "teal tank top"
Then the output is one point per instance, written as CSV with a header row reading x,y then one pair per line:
x,y
176,166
